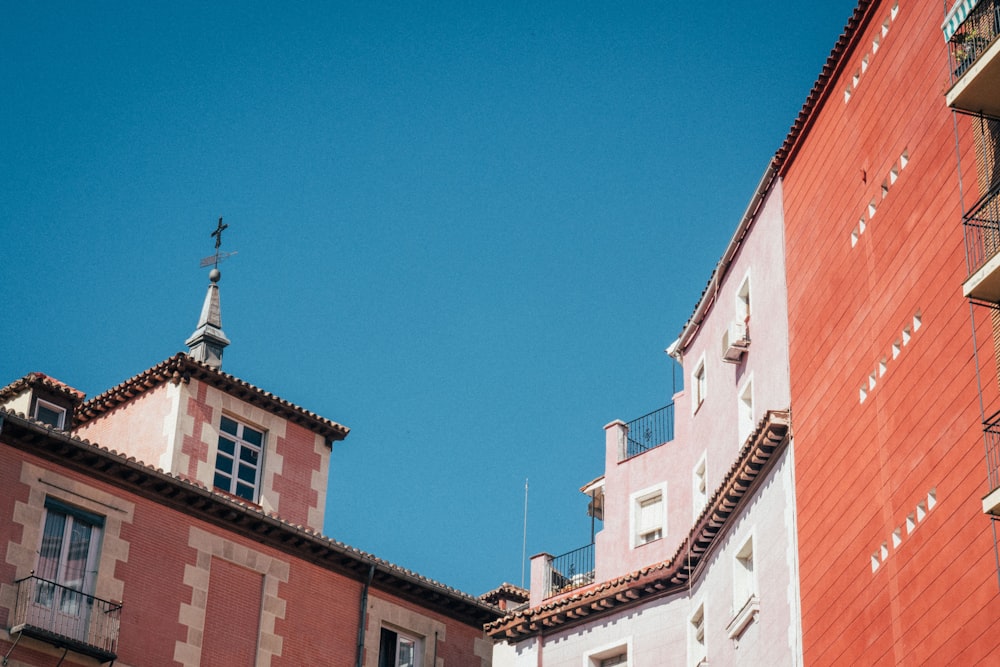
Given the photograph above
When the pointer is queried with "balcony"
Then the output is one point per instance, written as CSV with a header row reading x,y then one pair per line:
x,y
570,571
975,56
66,619
982,244
649,432
991,433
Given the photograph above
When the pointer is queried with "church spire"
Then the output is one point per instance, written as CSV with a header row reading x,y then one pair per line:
x,y
208,340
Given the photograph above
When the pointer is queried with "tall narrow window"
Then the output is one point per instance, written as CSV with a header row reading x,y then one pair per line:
x,y
649,517
237,465
697,651
699,483
745,409
698,385
743,300
744,586
67,569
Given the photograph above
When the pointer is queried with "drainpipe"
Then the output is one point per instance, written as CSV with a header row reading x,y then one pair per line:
x,y
364,615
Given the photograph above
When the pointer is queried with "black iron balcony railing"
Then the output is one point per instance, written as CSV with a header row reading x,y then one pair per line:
x,y
649,431
571,570
982,230
973,36
991,431
66,618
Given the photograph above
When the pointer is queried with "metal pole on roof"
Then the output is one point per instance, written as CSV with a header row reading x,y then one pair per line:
x,y
524,539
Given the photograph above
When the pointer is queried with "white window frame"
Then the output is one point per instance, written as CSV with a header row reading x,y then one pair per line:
x,y
402,637
635,503
62,606
240,458
594,657
699,486
744,304
697,647
745,410
58,409
746,603
699,384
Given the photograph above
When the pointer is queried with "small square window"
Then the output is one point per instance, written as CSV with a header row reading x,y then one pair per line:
x,y
50,413
238,461
609,656
398,650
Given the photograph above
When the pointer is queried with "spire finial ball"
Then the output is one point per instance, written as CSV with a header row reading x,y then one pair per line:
x,y
214,275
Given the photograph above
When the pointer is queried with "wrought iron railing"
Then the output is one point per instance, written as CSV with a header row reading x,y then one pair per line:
x,y
65,616
571,570
982,230
649,431
973,37
991,433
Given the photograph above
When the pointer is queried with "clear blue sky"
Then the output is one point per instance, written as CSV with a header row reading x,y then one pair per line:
x,y
465,230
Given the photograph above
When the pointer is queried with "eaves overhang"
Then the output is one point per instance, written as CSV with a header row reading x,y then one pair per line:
x,y
41,381
237,517
666,577
823,85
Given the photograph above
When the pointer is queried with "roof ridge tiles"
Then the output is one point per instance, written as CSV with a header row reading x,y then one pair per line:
x,y
179,368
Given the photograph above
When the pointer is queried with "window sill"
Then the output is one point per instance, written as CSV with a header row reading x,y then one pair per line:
x,y
744,617
639,545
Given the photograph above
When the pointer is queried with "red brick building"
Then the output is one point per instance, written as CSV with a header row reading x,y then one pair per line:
x,y
175,520
898,564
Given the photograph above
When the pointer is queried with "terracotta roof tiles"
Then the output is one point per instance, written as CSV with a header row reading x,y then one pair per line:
x,y
182,368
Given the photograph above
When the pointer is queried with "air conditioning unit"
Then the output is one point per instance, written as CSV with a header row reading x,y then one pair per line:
x,y
735,341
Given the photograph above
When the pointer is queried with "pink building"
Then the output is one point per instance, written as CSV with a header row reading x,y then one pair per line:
x,y
697,499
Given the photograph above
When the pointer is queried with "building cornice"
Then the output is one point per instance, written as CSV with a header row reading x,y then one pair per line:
x,y
669,576
182,368
237,517
822,87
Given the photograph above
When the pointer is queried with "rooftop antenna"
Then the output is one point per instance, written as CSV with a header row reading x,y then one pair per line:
x,y
524,540
213,260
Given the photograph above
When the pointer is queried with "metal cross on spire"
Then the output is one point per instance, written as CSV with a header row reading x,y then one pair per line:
x,y
214,260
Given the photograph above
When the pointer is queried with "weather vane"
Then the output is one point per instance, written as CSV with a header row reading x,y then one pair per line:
x,y
213,260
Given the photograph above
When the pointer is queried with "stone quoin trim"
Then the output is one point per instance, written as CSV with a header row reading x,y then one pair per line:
x,y
670,576
198,576
238,517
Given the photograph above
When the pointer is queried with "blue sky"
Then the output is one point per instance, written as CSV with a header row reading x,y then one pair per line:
x,y
465,230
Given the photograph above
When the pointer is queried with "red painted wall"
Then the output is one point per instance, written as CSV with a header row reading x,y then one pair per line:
x,y
862,468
